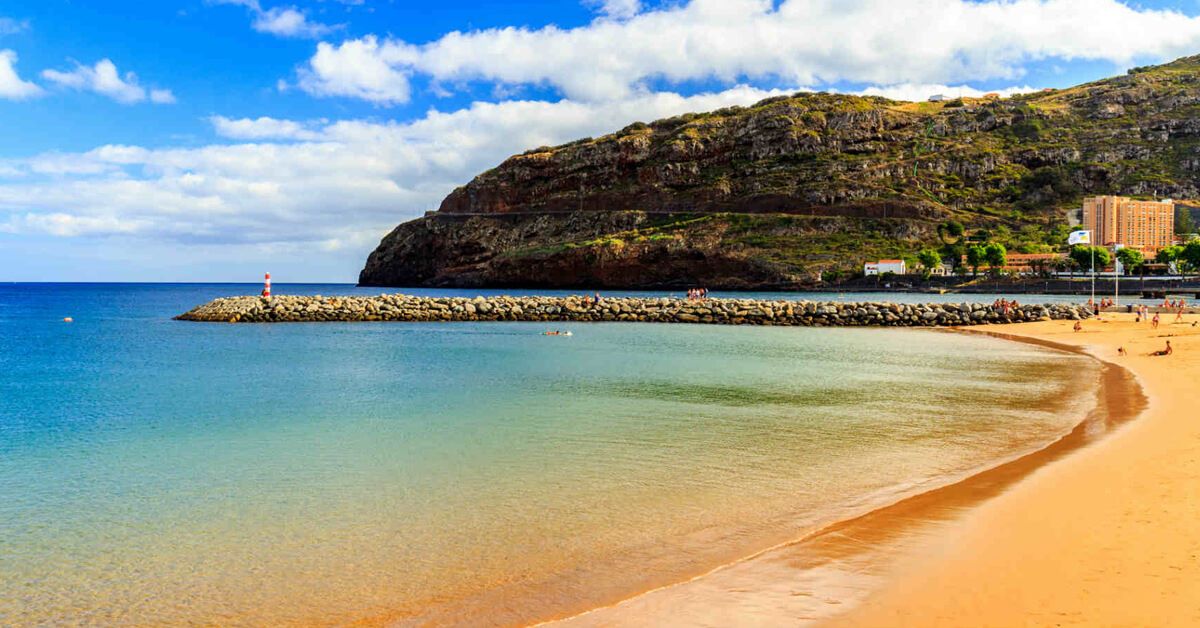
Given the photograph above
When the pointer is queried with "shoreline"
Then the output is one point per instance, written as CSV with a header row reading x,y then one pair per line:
x,y
1106,536
864,541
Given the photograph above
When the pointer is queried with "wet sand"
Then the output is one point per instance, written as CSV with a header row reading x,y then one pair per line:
x,y
1029,543
1109,536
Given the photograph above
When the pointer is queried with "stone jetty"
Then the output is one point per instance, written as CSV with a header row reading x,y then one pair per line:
x,y
407,308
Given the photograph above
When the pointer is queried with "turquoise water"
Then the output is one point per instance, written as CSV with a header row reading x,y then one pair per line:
x,y
159,472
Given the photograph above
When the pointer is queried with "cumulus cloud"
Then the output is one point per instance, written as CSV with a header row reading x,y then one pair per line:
x,y
335,186
289,22
359,68
281,21
12,86
802,42
104,79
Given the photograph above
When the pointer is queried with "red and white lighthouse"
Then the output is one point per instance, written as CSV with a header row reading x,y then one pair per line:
x,y
267,286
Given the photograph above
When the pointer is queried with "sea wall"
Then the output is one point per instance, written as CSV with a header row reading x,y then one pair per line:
x,y
406,308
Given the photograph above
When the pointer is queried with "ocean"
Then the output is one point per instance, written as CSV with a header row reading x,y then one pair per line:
x,y
162,472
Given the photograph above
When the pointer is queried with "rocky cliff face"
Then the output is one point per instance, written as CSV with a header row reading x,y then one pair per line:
x,y
773,194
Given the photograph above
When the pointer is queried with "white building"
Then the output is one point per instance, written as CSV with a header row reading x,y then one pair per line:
x,y
895,266
937,98
943,270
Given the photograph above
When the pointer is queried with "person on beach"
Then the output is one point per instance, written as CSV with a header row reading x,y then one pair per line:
x,y
1121,351
1179,315
1154,321
1168,351
1078,326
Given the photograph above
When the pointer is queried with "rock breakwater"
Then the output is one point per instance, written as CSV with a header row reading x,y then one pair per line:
x,y
407,308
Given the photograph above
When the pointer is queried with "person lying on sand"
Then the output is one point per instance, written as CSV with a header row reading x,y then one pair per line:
x,y
1167,351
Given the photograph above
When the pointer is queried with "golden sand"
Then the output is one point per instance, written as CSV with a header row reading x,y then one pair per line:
x,y
1099,529
1108,536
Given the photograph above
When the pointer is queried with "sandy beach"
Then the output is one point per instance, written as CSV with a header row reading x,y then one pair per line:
x,y
1107,536
1099,529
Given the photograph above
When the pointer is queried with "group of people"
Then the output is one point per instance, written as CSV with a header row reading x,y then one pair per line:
x,y
1141,313
1005,306
591,301
697,294
1097,306
1172,304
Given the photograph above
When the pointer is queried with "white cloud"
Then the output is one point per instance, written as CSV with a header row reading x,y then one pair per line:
x,y
918,92
617,9
289,22
803,42
162,97
263,128
12,87
359,68
104,79
281,21
338,186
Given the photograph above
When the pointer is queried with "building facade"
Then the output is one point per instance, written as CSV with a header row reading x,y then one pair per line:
x,y
896,266
1145,225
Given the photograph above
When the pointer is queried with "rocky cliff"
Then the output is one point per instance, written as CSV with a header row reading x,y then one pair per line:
x,y
775,194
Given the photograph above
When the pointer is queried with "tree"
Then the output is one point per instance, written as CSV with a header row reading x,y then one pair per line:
x,y
1183,220
950,228
953,253
930,260
996,256
976,257
1131,259
1083,255
1168,255
1191,254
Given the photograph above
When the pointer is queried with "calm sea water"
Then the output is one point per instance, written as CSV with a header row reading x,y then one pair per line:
x,y
160,472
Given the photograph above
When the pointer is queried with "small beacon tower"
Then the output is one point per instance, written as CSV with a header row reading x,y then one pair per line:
x,y
267,286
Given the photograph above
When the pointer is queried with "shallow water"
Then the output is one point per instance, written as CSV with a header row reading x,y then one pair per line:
x,y
153,471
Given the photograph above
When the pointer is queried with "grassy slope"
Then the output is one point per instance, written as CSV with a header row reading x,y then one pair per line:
x,y
1052,149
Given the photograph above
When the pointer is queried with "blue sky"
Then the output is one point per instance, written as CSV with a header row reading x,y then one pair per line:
x,y
198,140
